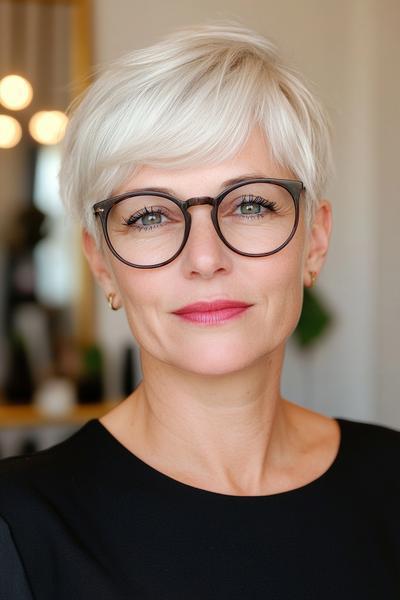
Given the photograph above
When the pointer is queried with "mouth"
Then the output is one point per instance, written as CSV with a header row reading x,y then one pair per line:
x,y
212,313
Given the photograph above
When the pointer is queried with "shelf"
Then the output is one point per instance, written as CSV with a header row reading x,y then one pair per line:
x,y
28,415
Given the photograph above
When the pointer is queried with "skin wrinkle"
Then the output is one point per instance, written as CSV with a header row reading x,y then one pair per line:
x,y
124,118
209,409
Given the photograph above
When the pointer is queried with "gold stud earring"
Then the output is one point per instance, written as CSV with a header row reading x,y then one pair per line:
x,y
313,275
110,300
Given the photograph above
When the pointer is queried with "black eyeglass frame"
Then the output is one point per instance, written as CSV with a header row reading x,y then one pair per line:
x,y
102,209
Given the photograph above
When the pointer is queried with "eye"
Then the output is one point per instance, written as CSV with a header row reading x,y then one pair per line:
x,y
252,205
149,217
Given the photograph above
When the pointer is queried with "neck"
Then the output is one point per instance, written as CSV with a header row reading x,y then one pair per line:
x,y
219,427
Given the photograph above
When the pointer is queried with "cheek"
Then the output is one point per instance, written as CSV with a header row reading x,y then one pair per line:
x,y
282,291
142,293
274,284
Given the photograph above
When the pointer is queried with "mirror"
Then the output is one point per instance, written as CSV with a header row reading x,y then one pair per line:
x,y
46,295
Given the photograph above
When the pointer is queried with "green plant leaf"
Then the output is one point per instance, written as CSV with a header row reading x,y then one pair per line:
x,y
314,320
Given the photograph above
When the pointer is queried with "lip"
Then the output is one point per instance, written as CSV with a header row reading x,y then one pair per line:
x,y
212,313
212,307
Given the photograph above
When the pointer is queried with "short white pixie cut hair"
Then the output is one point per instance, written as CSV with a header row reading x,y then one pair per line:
x,y
191,100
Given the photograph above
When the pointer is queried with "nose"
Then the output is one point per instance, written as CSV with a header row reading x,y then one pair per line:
x,y
204,253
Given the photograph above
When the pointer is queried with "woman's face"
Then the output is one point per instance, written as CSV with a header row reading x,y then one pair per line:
x,y
207,270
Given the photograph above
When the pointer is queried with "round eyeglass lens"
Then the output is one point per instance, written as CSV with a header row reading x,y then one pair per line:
x,y
257,218
146,230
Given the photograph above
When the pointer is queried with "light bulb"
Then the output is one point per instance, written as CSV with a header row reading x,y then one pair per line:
x,y
48,126
15,92
10,131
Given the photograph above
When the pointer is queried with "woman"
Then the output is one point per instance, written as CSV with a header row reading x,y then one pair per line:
x,y
197,168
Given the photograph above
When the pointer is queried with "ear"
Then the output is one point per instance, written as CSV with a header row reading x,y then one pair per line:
x,y
98,263
318,241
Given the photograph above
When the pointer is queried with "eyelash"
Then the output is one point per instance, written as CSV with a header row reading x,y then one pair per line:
x,y
142,213
260,201
145,211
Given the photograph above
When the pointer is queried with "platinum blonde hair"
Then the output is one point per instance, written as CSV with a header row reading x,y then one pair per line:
x,y
189,100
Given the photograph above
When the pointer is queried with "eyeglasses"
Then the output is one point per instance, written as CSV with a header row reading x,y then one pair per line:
x,y
148,229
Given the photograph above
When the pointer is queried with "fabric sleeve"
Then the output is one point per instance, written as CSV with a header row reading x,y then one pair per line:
x,y
13,581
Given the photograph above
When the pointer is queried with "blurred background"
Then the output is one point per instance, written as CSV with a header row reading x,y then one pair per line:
x,y
59,364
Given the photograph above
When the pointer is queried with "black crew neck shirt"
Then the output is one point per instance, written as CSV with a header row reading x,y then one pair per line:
x,y
87,519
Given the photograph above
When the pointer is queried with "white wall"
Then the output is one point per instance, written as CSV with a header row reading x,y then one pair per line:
x,y
387,195
348,50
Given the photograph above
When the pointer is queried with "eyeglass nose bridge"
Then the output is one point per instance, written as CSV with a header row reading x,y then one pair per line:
x,y
198,201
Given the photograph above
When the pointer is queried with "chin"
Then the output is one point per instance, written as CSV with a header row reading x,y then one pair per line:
x,y
215,362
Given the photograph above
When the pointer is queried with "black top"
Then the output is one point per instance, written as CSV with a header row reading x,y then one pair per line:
x,y
87,519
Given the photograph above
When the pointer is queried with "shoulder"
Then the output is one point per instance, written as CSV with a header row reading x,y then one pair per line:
x,y
25,477
38,462
361,435
371,453
362,453
354,437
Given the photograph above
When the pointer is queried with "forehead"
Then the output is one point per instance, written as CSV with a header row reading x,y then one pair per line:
x,y
253,160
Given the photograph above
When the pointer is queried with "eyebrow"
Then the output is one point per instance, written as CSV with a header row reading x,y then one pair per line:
x,y
224,185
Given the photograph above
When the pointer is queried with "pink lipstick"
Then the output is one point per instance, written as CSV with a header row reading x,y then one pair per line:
x,y
212,313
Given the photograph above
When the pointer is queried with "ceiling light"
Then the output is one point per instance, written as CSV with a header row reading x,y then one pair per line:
x,y
15,92
10,131
48,126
